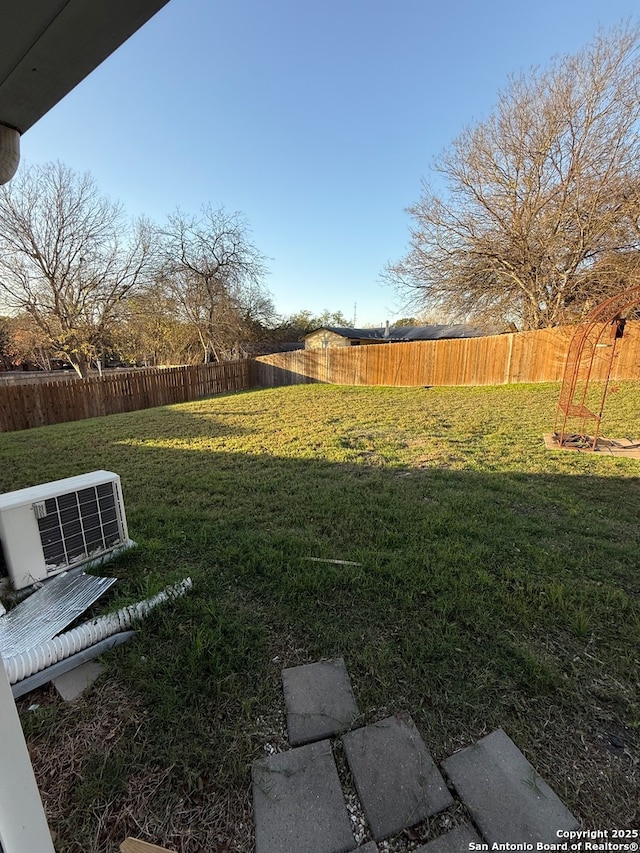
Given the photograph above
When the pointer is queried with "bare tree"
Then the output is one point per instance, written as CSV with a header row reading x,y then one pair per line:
x,y
68,258
543,197
214,273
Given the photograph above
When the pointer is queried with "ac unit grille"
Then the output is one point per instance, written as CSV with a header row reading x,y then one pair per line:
x,y
78,525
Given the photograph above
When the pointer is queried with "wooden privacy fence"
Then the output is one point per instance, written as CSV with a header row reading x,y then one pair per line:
x,y
521,357
44,403
537,356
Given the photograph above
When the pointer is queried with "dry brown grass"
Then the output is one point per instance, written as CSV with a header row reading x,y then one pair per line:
x,y
151,808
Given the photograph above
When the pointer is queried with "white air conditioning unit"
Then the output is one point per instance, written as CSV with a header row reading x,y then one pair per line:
x,y
57,526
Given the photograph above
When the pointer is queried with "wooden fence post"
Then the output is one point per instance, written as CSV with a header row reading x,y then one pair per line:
x,y
507,375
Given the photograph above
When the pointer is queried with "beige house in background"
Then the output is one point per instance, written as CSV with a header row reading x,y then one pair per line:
x,y
338,336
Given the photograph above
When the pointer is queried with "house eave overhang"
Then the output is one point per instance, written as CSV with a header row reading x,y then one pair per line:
x,y
47,47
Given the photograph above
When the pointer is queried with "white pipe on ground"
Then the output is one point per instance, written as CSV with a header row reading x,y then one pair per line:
x,y
71,642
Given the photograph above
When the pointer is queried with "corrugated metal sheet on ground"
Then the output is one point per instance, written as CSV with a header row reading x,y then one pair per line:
x,y
49,610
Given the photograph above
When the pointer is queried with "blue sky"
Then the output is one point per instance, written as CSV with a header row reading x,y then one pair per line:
x,y
316,120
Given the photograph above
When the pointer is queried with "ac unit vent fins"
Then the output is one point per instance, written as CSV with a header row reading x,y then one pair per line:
x,y
78,525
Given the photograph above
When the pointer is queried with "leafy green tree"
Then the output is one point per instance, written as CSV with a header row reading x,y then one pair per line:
x,y
151,333
296,326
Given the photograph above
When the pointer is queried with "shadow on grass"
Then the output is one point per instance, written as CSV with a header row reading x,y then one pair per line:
x,y
481,600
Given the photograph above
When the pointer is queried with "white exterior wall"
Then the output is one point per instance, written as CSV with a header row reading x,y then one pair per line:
x,y
23,825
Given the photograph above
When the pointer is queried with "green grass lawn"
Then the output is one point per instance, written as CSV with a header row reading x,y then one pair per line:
x,y
498,587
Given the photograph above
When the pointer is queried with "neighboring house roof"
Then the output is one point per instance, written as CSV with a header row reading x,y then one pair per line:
x,y
404,333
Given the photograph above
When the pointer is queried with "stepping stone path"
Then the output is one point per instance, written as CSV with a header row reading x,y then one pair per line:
x,y
455,841
395,777
71,684
319,701
299,805
298,802
505,795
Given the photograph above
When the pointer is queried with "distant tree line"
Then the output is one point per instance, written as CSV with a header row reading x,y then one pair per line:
x,y
82,284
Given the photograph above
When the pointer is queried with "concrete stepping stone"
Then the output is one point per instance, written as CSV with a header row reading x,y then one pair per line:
x,y
71,684
370,847
455,841
396,779
298,803
318,700
509,801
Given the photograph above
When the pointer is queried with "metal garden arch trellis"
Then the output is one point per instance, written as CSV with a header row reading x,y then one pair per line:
x,y
588,339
